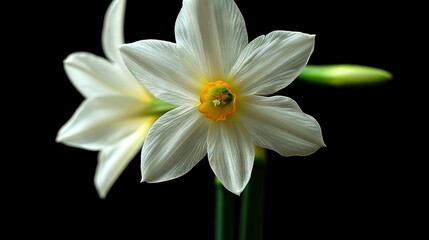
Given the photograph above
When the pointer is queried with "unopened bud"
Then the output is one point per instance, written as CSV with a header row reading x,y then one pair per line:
x,y
344,75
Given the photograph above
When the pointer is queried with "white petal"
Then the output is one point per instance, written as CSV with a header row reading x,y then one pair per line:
x,y
277,123
231,154
113,30
95,76
270,63
174,144
210,36
114,159
112,39
101,122
156,65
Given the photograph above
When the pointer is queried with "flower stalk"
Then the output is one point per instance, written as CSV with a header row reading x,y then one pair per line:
x,y
251,208
252,200
225,218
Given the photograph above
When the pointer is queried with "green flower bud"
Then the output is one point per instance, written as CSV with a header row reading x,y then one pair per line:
x,y
344,75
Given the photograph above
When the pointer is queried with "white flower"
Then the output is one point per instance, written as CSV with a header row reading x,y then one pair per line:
x,y
217,78
117,111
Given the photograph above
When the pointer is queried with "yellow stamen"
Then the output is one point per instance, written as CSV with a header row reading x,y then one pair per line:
x,y
217,100
220,97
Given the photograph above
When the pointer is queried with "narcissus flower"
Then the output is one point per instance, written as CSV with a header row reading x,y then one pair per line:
x,y
218,79
117,111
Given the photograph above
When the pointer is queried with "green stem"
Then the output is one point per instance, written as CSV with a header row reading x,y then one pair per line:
x,y
252,201
224,215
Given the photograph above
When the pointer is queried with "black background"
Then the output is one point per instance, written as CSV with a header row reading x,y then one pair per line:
x,y
360,184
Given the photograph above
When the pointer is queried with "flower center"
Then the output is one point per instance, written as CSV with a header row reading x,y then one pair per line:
x,y
217,101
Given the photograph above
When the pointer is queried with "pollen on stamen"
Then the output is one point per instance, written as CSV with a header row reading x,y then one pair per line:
x,y
220,97
216,102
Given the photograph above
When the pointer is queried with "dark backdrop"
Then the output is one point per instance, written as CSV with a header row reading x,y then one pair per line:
x,y
359,184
